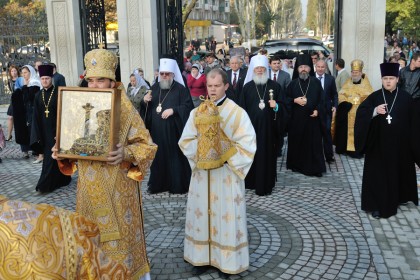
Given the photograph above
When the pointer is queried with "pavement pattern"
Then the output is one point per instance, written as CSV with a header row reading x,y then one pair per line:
x,y
308,228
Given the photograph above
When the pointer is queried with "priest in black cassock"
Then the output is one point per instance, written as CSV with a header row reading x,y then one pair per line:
x,y
43,131
305,94
264,101
384,133
167,109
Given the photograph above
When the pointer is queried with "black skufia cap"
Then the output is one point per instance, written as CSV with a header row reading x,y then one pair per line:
x,y
390,69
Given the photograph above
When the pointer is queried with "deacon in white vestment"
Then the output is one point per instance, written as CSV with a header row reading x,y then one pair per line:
x,y
220,155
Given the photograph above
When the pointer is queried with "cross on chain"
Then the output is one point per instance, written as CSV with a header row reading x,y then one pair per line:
x,y
389,118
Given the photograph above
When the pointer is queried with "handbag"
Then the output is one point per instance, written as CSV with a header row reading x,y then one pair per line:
x,y
2,139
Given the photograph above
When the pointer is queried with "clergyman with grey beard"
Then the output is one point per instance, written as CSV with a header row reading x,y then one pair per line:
x,y
167,108
354,91
264,101
305,93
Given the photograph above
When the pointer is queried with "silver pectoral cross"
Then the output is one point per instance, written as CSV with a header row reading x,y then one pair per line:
x,y
389,118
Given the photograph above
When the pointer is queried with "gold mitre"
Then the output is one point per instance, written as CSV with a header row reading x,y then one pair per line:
x,y
100,63
214,147
356,65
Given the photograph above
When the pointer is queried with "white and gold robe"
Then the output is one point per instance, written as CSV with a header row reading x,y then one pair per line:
x,y
229,242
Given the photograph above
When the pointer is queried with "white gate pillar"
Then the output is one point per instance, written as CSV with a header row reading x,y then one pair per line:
x,y
362,37
138,37
65,38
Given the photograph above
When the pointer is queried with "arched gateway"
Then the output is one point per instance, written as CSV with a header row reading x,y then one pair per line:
x,y
360,28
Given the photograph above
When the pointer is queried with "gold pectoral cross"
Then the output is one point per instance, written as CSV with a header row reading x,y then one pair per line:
x,y
46,113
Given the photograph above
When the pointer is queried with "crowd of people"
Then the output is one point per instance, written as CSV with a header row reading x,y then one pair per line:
x,y
214,130
24,83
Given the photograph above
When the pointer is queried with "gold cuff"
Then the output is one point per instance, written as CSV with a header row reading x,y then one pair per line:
x,y
128,155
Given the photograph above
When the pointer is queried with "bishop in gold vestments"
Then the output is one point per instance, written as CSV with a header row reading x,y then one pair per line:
x,y
110,194
47,242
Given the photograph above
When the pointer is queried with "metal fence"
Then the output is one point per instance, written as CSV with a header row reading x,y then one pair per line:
x,y
21,43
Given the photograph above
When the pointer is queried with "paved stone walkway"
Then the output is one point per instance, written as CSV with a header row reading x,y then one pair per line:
x,y
309,228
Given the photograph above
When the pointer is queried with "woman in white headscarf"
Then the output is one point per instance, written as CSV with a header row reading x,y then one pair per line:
x,y
137,90
23,104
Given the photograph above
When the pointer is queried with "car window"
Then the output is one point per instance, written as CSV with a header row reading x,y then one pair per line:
x,y
292,51
320,48
276,50
305,48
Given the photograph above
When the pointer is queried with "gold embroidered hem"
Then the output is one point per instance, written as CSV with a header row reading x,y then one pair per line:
x,y
69,243
46,242
216,244
217,163
216,265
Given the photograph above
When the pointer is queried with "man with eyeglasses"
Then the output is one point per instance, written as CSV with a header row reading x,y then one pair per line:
x,y
167,108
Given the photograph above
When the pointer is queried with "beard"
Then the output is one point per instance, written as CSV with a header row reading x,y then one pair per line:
x,y
303,75
165,84
260,79
356,79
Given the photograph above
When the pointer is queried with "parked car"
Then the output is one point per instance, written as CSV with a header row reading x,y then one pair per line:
x,y
290,48
328,41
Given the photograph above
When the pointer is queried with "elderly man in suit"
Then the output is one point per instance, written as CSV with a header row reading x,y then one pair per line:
x,y
330,101
342,75
236,77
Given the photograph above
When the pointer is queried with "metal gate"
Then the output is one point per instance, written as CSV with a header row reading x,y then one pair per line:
x,y
171,34
21,42
92,16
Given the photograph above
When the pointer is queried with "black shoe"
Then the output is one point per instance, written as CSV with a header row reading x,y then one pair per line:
x,y
318,175
376,215
330,160
223,275
0,160
198,270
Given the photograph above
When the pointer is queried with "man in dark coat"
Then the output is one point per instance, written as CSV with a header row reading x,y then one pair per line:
x,y
283,79
384,133
330,105
305,94
276,74
236,78
59,80
167,110
44,123
264,102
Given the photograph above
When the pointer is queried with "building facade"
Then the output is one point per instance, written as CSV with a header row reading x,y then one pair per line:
x,y
208,18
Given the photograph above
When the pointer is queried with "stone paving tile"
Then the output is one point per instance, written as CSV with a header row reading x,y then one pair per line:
x,y
309,228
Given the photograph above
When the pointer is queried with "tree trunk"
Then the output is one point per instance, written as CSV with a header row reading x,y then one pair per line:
x,y
240,8
187,11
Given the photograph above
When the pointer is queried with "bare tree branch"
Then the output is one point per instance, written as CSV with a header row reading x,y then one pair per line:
x,y
186,10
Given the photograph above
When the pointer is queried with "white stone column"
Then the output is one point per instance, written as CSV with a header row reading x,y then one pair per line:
x,y
138,37
65,38
363,31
